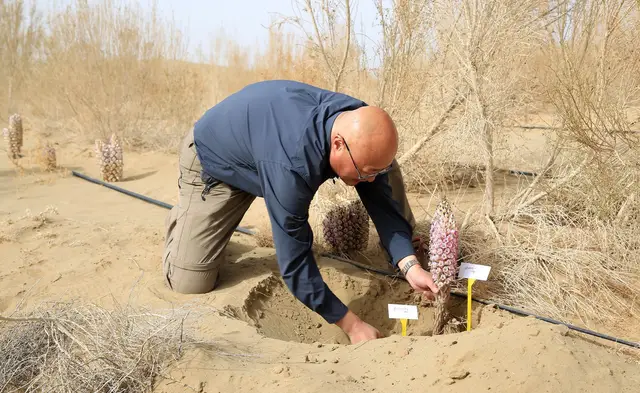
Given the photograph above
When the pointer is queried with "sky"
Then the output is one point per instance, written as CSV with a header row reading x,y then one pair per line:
x,y
244,20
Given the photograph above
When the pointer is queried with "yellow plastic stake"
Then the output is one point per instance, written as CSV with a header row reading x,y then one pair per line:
x,y
404,326
469,285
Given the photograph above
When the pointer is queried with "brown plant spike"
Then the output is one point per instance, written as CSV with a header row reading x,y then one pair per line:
x,y
110,159
443,256
346,227
47,157
13,136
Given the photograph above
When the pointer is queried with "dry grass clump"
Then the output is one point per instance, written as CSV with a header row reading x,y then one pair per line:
x,y
591,275
11,230
84,348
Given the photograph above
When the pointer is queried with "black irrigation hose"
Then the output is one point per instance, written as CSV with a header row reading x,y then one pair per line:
x,y
122,190
380,271
140,196
361,266
525,173
561,128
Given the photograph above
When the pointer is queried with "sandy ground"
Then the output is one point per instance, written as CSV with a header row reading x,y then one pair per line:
x,y
64,238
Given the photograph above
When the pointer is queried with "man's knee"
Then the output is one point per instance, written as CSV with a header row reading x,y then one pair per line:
x,y
192,281
191,265
190,278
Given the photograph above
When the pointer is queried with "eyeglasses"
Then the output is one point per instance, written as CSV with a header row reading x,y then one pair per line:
x,y
360,177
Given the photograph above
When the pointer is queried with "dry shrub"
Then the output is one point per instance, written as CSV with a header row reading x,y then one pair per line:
x,y
470,83
85,348
566,244
572,249
592,87
112,69
409,74
329,38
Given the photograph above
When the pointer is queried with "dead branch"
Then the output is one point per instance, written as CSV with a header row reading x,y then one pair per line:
x,y
336,82
522,195
622,216
557,185
457,100
336,71
323,51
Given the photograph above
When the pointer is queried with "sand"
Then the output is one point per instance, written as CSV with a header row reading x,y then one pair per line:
x,y
63,238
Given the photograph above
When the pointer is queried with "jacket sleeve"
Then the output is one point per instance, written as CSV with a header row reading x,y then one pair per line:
x,y
287,198
394,230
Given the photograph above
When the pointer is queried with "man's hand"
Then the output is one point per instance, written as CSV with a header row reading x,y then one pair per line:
x,y
420,279
357,329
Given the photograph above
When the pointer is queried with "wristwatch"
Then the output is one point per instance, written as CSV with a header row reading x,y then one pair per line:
x,y
408,266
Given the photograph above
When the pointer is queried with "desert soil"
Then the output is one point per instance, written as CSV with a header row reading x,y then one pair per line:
x,y
64,238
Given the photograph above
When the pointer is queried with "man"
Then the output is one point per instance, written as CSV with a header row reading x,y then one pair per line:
x,y
280,140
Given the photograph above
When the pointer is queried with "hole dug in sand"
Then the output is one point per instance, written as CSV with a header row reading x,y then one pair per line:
x,y
276,313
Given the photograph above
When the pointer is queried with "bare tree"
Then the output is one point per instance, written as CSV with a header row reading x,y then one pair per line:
x,y
414,83
330,33
489,40
592,86
402,53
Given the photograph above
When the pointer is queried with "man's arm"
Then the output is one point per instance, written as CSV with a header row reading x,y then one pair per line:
x,y
288,197
394,230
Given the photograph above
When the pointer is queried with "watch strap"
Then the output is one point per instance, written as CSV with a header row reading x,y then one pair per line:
x,y
408,266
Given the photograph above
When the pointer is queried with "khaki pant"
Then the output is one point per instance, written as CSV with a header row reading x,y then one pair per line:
x,y
199,226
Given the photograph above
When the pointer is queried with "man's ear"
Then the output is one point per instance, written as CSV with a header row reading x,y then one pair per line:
x,y
337,143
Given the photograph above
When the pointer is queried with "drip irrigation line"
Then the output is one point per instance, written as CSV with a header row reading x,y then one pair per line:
x,y
362,266
142,197
122,190
555,322
534,127
381,271
524,173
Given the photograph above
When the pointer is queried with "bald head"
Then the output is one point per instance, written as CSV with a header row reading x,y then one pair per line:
x,y
372,138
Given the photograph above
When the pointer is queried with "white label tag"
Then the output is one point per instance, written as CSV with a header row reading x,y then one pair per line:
x,y
403,311
470,270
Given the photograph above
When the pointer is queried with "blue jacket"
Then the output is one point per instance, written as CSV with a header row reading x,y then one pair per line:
x,y
272,139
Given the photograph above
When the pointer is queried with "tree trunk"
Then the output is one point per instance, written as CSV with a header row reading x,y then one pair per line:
x,y
487,140
488,174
